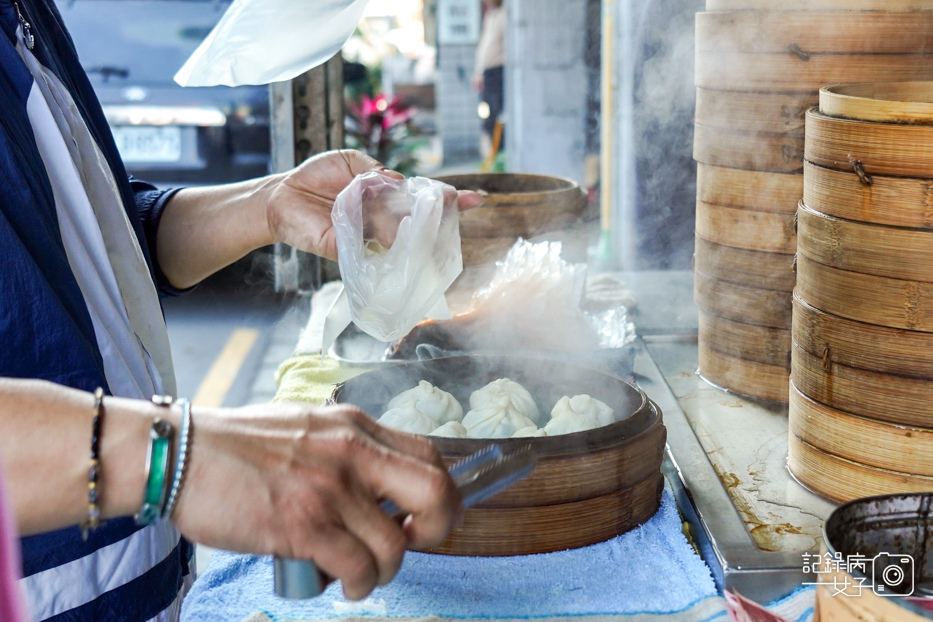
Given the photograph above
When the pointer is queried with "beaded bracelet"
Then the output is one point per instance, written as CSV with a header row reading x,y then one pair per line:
x,y
184,437
93,474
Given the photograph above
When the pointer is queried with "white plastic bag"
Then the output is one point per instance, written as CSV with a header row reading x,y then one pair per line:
x,y
263,41
392,285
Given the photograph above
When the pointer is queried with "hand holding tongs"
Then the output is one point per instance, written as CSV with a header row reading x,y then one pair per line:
x,y
478,477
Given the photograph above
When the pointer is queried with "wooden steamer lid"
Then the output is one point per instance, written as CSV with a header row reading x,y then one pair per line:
x,y
876,148
883,102
608,478
860,439
741,111
771,232
742,376
881,250
791,73
744,267
754,151
897,303
819,5
755,190
811,32
843,480
886,397
763,307
895,201
758,344
865,346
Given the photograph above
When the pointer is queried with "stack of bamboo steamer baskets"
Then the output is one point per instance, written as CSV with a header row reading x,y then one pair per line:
x,y
861,396
759,67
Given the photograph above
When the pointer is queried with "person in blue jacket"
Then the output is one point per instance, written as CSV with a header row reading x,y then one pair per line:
x,y
85,253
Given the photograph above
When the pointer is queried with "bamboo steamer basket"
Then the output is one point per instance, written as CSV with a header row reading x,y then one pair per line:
x,y
809,32
873,148
755,151
844,480
608,477
874,443
867,536
884,301
894,201
789,73
744,267
865,346
755,190
887,397
740,111
759,344
751,305
741,376
819,5
882,102
518,205
771,232
881,250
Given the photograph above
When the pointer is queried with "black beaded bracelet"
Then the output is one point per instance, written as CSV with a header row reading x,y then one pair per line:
x,y
93,474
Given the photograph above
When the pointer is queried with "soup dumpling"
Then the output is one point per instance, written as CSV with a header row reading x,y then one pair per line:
x,y
568,424
408,419
439,405
495,419
531,431
583,405
451,429
503,388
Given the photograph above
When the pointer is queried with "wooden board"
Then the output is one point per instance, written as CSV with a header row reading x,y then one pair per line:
x,y
812,31
878,148
866,298
865,346
543,529
759,344
886,397
753,112
884,102
748,378
744,267
771,232
868,441
881,250
844,480
896,201
757,190
753,151
788,73
819,5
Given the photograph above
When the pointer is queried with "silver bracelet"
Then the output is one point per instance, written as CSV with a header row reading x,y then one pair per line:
x,y
184,439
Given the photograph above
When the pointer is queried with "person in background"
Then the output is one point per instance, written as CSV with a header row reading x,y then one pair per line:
x,y
85,253
489,69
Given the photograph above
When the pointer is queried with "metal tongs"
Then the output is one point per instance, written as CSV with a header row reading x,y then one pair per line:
x,y
478,477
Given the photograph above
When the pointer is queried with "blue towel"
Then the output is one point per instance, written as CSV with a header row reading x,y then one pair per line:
x,y
651,569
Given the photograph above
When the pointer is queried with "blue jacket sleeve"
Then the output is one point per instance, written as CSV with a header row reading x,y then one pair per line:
x,y
151,202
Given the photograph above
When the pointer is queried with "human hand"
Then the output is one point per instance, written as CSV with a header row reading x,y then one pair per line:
x,y
298,210
305,483
477,82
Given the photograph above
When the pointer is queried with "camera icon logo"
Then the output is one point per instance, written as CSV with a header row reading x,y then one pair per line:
x,y
893,575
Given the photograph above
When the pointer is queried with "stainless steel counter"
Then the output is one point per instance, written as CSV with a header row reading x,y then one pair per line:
x,y
726,454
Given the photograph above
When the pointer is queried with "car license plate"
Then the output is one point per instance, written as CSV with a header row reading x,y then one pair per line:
x,y
148,144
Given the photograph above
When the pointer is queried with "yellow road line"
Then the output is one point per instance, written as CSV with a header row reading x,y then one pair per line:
x,y
223,372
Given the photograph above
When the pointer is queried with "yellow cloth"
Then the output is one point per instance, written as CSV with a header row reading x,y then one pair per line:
x,y
309,378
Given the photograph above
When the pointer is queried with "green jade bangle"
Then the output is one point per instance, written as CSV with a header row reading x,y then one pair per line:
x,y
157,458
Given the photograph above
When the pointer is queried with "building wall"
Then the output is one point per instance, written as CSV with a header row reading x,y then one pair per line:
x,y
546,87
457,121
